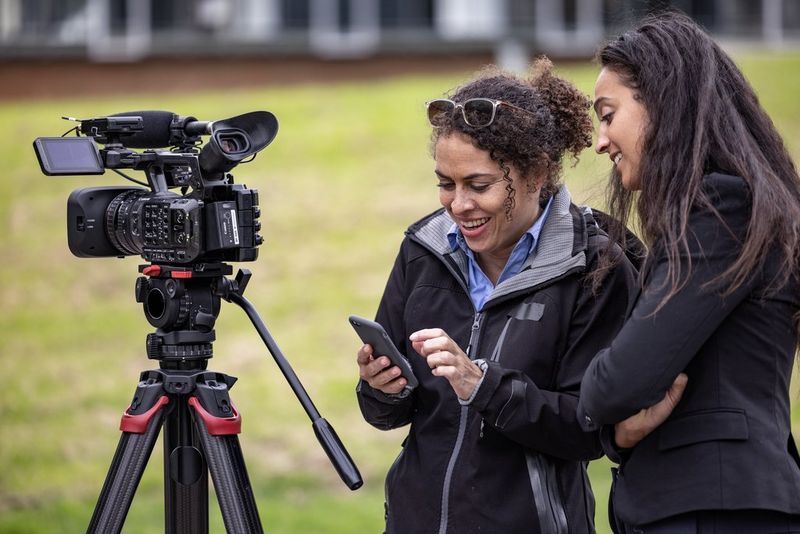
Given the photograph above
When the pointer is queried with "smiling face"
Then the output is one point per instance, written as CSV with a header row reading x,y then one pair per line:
x,y
623,119
473,191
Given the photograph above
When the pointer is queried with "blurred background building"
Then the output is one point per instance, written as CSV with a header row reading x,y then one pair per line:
x,y
512,30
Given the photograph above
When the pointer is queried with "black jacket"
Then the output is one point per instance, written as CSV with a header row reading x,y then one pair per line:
x,y
727,445
512,461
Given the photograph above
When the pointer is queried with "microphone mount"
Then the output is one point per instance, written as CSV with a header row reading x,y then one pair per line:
x,y
146,129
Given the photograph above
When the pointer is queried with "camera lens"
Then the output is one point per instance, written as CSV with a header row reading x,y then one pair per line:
x,y
123,221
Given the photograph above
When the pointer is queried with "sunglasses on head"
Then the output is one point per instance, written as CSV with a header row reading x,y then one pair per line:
x,y
477,112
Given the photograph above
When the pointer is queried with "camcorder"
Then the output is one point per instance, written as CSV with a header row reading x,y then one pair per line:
x,y
187,237
211,220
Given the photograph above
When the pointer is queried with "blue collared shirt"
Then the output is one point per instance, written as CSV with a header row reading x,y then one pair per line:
x,y
480,287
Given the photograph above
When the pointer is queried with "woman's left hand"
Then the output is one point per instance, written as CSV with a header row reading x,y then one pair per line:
x,y
445,358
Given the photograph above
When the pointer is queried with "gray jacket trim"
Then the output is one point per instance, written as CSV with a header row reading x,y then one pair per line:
x,y
552,258
434,235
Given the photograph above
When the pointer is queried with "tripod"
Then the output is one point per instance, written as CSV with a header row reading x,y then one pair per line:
x,y
193,406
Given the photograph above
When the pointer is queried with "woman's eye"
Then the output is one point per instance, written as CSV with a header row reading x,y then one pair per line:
x,y
480,188
447,186
607,117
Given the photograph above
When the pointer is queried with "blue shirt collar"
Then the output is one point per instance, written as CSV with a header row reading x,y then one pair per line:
x,y
480,287
457,240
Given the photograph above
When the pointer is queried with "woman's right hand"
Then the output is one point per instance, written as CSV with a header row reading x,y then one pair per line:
x,y
634,429
378,372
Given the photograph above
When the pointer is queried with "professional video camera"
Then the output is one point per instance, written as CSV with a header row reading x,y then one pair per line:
x,y
187,238
212,220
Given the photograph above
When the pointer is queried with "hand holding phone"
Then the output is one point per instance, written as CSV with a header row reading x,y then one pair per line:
x,y
374,334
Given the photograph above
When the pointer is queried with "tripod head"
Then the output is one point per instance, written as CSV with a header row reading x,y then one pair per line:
x,y
183,303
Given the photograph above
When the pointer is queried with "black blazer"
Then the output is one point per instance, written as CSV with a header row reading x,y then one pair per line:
x,y
727,445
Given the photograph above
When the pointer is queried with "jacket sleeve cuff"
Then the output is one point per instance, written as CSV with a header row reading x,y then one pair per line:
x,y
387,398
614,453
492,376
483,366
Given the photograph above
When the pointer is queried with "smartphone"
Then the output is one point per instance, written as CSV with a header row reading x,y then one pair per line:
x,y
374,334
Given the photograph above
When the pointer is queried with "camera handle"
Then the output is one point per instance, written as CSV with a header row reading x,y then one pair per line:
x,y
231,291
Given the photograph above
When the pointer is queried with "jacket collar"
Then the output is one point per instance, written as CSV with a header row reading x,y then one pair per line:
x,y
561,248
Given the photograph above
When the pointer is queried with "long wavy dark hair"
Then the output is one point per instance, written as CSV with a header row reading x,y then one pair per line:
x,y
703,117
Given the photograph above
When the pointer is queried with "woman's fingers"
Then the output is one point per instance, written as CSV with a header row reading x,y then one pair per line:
x,y
432,340
378,372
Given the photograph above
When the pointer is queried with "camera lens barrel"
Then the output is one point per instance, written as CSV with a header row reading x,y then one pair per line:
x,y
119,229
162,227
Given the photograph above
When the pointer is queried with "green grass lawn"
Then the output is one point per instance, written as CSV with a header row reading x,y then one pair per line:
x,y
349,170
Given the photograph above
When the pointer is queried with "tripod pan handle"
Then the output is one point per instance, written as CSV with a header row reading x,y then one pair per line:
x,y
337,453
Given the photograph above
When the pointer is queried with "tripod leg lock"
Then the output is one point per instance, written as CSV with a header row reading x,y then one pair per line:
x,y
137,424
217,426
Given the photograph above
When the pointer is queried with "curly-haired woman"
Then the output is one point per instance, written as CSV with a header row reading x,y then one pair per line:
x,y
499,300
718,198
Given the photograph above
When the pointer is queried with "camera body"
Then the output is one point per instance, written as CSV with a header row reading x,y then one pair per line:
x,y
163,227
211,220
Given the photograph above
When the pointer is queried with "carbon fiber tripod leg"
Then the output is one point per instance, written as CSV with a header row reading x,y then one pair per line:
x,y
185,475
130,459
229,474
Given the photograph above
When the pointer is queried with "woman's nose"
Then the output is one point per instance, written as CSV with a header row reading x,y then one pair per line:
x,y
462,201
602,141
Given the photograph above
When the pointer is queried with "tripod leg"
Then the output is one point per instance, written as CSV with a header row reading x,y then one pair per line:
x,y
226,464
185,475
133,451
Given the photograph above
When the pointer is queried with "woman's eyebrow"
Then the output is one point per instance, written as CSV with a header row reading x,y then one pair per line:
x,y
469,177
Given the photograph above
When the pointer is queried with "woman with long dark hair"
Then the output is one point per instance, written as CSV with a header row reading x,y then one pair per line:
x,y
718,203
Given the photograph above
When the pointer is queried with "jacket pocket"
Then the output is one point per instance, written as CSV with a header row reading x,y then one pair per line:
x,y
528,311
388,483
724,424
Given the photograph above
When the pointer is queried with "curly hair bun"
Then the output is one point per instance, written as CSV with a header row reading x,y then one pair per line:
x,y
567,104
547,118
